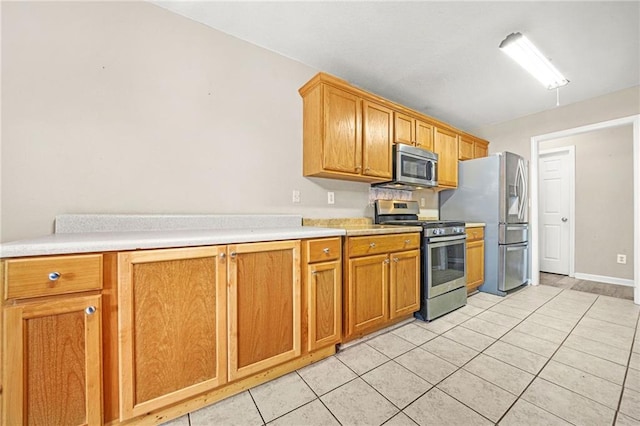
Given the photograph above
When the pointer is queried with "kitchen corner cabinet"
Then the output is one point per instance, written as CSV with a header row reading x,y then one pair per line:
x,y
324,292
51,346
345,135
412,131
172,316
475,258
446,146
264,306
382,281
471,147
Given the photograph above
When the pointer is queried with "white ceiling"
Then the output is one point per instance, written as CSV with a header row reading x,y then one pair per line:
x,y
442,58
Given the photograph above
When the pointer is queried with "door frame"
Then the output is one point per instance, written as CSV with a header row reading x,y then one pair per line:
x,y
634,120
572,201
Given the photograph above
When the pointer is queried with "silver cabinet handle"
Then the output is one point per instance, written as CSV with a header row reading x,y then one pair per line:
x,y
395,259
222,256
326,250
564,219
407,241
314,272
372,245
54,276
90,310
233,254
386,261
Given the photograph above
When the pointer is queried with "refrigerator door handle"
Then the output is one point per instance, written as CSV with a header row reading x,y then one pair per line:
x,y
523,189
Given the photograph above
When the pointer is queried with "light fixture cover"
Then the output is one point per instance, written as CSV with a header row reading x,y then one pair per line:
x,y
531,59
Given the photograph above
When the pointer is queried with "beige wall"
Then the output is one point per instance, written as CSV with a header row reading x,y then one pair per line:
x,y
604,200
126,107
515,135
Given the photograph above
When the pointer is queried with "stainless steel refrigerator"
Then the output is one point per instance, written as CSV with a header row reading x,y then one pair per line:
x,y
494,190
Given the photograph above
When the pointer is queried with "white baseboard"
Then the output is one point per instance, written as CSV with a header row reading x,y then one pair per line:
x,y
604,279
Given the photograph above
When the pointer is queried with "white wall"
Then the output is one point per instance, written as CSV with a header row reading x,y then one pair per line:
x,y
125,107
515,135
603,200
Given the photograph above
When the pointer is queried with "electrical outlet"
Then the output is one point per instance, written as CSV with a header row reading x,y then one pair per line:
x,y
296,196
622,258
422,202
331,198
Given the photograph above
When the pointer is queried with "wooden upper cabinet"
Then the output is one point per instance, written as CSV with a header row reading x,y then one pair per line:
x,y
172,316
377,128
264,306
465,149
404,129
471,147
346,136
342,147
412,131
480,148
349,133
424,135
446,146
52,362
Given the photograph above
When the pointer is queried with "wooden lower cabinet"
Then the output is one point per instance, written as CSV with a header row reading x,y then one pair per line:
x,y
324,292
475,258
172,326
404,287
382,282
264,306
52,362
368,292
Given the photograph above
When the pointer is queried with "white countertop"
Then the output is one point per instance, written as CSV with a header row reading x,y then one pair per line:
x,y
91,242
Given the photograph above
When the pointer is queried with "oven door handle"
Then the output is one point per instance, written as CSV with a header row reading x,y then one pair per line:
x,y
445,241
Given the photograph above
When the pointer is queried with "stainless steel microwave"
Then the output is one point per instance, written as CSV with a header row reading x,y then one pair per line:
x,y
413,168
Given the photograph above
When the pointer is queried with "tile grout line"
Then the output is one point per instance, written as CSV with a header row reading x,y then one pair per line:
x,y
624,381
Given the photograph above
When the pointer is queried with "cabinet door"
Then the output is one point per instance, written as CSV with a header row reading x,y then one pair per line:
x,y
480,149
368,290
424,135
264,306
446,146
377,128
465,151
52,362
325,304
475,264
404,283
403,129
172,326
342,145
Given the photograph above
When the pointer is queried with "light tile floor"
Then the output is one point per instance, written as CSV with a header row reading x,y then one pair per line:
x,y
542,356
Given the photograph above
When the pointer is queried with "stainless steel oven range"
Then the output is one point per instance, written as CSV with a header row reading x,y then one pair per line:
x,y
443,252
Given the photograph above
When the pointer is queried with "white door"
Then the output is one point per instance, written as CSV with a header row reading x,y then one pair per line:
x,y
555,209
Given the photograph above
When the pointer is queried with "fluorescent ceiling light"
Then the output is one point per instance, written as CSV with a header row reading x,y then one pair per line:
x,y
529,57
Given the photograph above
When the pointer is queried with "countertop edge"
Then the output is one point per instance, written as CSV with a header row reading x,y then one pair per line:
x,y
95,242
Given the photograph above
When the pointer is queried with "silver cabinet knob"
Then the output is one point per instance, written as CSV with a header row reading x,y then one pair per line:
x,y
233,254
407,241
386,261
564,219
395,259
54,276
372,245
90,310
326,250
222,256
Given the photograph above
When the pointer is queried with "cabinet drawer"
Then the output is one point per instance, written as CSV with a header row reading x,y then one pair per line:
x,y
378,244
37,277
323,249
474,234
